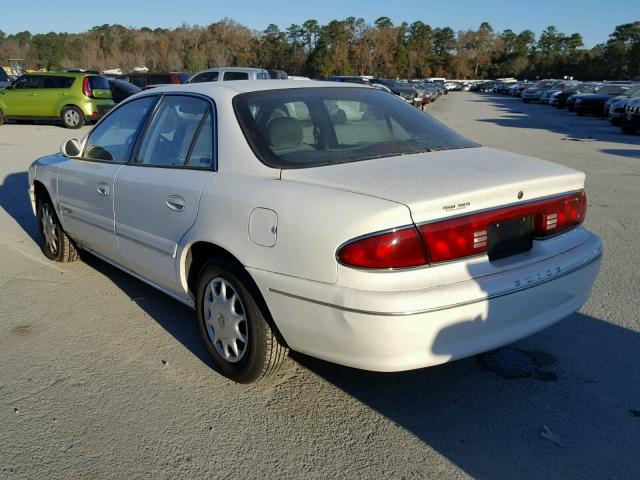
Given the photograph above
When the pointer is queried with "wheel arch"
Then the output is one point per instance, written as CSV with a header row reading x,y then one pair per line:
x,y
196,255
65,105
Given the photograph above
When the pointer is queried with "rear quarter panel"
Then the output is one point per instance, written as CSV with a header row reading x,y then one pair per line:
x,y
312,222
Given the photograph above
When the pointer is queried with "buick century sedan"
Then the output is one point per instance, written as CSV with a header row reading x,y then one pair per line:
x,y
331,219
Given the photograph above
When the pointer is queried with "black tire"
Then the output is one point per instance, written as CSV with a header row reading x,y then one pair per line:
x,y
580,114
628,130
615,121
72,117
264,350
525,100
55,244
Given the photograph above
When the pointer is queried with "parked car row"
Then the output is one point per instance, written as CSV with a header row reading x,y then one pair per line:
x,y
619,101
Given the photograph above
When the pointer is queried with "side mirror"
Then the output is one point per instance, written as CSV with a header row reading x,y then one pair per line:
x,y
71,148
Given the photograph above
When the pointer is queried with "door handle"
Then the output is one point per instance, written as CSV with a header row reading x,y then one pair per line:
x,y
103,189
175,203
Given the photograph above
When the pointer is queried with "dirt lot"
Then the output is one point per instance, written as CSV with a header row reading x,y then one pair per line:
x,y
102,377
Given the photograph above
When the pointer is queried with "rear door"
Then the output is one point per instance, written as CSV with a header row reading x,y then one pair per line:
x,y
55,89
21,100
158,193
86,184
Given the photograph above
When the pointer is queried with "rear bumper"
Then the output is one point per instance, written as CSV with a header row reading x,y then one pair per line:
x,y
95,110
371,330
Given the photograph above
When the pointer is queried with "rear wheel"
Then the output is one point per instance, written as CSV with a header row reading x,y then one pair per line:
x,y
235,324
72,117
56,244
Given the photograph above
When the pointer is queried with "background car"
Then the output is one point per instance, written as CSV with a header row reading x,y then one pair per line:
x,y
121,89
630,121
593,103
230,73
146,80
616,106
72,98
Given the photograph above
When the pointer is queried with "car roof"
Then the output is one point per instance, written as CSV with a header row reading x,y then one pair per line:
x,y
245,86
63,74
236,69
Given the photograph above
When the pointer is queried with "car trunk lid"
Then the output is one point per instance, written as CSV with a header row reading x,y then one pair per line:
x,y
442,184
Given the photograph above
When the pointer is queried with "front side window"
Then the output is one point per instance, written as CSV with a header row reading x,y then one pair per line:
x,y
236,76
170,136
27,82
310,127
113,138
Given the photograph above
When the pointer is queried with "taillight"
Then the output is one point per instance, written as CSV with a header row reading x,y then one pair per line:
x,y
459,237
86,89
465,236
396,249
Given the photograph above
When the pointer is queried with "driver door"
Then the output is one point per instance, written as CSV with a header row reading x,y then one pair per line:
x,y
21,100
86,184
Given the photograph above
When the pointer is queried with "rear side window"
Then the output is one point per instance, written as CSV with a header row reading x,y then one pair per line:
x,y
57,82
113,138
158,79
98,82
172,131
236,76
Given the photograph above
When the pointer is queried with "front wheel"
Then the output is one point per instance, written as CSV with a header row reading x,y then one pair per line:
x,y
56,244
72,117
235,324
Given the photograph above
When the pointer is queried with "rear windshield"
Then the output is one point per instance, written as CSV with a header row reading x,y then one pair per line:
x,y
98,82
310,127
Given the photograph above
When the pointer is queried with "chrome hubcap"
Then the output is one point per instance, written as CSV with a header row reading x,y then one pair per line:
x,y
225,319
49,229
71,117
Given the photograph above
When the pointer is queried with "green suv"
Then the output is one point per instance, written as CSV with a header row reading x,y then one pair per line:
x,y
72,98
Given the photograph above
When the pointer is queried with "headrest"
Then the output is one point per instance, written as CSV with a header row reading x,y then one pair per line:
x,y
285,132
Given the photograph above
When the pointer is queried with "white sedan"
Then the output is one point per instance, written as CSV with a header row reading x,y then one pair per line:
x,y
331,219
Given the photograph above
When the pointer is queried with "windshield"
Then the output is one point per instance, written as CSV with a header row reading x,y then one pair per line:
x,y
310,127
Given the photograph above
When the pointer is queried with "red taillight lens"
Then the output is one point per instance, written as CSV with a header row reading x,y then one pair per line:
x,y
561,214
461,236
465,236
86,89
397,249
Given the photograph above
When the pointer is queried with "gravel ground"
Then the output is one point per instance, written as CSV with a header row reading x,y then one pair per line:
x,y
103,377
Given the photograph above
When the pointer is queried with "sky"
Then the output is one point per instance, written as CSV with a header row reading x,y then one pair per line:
x,y
594,19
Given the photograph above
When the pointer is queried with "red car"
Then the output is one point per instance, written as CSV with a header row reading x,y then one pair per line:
x,y
153,79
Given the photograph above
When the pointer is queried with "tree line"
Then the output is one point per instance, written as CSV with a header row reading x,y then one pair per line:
x,y
341,47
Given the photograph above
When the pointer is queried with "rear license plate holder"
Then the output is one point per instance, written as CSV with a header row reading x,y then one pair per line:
x,y
509,237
